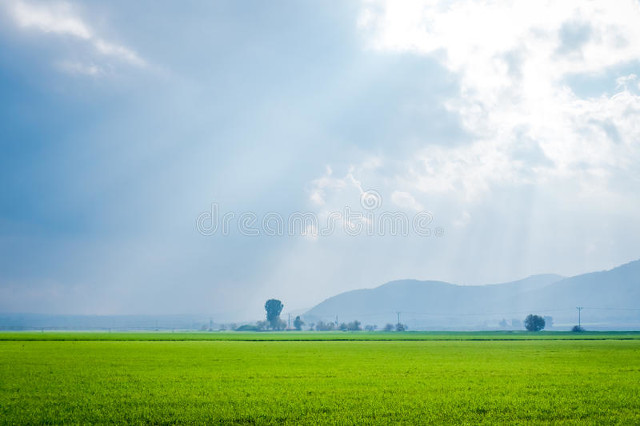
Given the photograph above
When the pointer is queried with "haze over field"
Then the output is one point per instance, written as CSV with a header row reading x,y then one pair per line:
x,y
468,142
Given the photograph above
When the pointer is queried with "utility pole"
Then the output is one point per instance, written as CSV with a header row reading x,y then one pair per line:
x,y
289,321
579,308
398,317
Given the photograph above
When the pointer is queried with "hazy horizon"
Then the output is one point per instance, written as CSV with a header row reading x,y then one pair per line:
x,y
228,317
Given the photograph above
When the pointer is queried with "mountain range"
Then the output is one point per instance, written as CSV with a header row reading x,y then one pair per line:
x,y
610,300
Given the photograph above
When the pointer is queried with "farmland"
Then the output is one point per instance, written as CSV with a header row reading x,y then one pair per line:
x,y
319,377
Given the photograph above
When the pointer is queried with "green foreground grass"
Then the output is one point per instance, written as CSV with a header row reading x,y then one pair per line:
x,y
313,336
294,382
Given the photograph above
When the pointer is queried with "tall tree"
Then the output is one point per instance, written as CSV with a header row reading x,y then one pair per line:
x,y
534,323
273,308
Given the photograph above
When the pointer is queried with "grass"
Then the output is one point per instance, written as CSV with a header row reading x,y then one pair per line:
x,y
134,378
314,336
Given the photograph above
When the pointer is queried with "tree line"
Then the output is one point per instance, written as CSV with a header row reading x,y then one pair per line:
x,y
273,308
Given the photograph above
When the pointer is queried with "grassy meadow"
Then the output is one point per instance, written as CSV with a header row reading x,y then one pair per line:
x,y
306,378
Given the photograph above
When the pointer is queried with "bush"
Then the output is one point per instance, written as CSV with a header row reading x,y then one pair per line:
x,y
577,329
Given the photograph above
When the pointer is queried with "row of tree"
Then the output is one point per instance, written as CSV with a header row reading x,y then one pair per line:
x,y
274,309
273,321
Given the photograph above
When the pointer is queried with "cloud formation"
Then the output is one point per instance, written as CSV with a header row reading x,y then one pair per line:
x,y
62,19
513,60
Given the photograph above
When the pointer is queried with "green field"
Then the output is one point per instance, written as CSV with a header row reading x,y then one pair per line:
x,y
316,336
270,378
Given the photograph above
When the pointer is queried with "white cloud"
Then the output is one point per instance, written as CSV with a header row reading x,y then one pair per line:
x,y
512,59
80,68
56,18
405,200
61,19
624,82
346,190
120,52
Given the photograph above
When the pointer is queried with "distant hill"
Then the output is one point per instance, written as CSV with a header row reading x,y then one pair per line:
x,y
611,300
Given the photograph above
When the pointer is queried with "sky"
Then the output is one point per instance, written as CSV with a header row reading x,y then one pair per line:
x,y
201,157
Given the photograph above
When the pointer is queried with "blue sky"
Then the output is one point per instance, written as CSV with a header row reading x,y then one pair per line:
x,y
515,126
